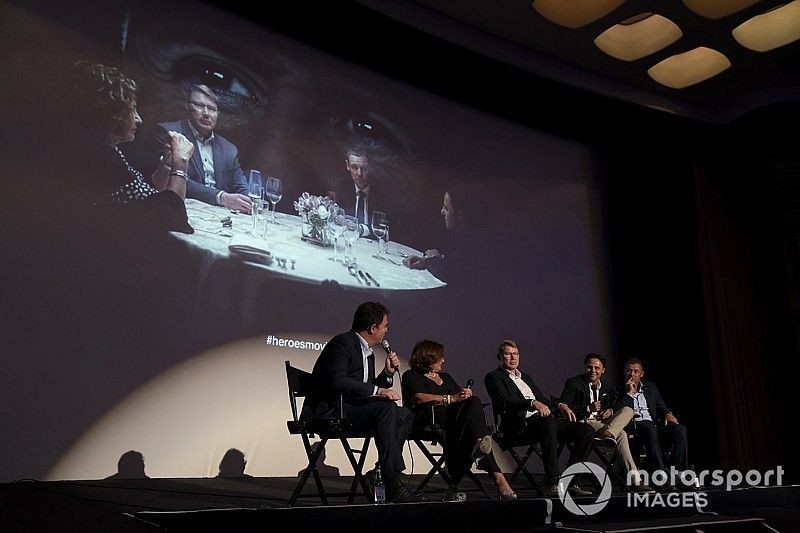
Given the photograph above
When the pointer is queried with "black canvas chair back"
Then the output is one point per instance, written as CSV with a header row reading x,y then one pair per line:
x,y
512,434
433,434
300,384
639,449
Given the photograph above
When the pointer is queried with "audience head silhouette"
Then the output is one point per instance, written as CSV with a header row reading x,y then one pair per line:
x,y
232,464
130,466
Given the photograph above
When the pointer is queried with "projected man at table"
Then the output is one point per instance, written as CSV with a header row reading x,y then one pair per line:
x,y
215,174
360,196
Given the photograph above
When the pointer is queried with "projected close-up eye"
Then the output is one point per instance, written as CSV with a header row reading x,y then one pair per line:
x,y
371,131
233,91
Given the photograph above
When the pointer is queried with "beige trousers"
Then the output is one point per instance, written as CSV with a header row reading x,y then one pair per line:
x,y
616,426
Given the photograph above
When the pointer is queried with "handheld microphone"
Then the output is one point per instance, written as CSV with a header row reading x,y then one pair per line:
x,y
469,383
388,350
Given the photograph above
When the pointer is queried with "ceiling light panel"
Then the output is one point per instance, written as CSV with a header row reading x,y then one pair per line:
x,y
715,9
575,13
689,68
770,30
633,40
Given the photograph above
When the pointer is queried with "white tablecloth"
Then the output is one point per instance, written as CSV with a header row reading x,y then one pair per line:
x,y
312,262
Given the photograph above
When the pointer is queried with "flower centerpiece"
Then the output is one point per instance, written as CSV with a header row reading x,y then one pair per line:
x,y
314,213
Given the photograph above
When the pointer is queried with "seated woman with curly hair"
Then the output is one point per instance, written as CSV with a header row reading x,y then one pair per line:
x,y
103,108
458,411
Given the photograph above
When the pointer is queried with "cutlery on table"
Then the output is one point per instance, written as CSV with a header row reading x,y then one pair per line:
x,y
375,281
392,261
352,270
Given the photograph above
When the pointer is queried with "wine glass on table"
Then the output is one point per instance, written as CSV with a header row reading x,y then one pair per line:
x,y
256,194
336,225
380,228
273,191
352,229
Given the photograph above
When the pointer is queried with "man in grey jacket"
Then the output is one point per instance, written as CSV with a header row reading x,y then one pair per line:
x,y
215,175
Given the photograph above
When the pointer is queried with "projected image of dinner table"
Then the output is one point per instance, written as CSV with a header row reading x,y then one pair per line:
x,y
283,253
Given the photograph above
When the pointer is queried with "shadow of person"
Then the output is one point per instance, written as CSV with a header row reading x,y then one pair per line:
x,y
130,466
233,464
322,468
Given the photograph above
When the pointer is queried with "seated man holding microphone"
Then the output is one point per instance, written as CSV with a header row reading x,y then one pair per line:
x,y
590,402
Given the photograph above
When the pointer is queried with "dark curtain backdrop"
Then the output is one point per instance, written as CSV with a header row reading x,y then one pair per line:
x,y
747,210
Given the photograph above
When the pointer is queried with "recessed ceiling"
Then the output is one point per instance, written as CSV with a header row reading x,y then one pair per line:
x,y
613,47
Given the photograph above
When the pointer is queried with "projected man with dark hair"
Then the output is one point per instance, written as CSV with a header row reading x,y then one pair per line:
x,y
361,197
215,175
653,421
523,406
453,259
346,367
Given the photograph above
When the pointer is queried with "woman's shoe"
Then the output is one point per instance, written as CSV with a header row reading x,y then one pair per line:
x,y
507,496
452,494
482,447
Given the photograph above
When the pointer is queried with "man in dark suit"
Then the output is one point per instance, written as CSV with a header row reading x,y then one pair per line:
x,y
520,403
592,402
359,196
346,367
215,175
648,407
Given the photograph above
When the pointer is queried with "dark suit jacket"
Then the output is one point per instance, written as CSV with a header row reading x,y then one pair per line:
x,y
507,398
655,403
346,199
228,172
576,395
339,370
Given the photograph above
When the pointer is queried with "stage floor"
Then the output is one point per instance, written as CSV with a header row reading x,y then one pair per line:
x,y
239,504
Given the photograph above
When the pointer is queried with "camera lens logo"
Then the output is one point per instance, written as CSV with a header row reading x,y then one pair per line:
x,y
584,509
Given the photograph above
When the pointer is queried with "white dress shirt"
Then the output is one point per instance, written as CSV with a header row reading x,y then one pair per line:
x,y
516,377
365,353
640,409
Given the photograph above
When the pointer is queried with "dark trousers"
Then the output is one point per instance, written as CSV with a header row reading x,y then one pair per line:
x,y
390,424
672,435
465,423
550,432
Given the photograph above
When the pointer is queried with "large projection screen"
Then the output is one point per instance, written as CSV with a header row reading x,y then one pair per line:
x,y
177,351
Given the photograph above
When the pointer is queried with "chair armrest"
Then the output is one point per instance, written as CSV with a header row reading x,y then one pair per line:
x,y
432,405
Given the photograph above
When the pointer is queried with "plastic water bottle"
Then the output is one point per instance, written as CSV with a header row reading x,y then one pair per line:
x,y
380,488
